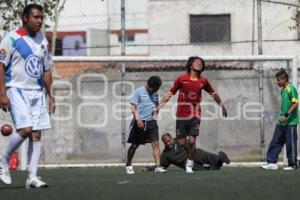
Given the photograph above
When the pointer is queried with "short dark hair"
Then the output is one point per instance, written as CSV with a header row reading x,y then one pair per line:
x,y
190,61
166,134
154,82
282,75
28,8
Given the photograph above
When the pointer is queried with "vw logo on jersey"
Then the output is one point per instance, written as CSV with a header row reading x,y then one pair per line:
x,y
33,66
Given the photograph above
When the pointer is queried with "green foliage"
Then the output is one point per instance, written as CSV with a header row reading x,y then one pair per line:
x,y
13,11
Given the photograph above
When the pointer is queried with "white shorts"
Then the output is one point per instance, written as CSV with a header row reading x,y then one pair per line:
x,y
28,108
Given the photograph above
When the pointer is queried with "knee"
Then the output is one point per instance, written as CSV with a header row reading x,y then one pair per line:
x,y
35,136
25,132
134,147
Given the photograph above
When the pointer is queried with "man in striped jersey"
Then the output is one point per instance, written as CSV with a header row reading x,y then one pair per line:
x,y
25,76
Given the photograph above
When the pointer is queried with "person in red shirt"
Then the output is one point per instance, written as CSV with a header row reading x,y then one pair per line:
x,y
190,86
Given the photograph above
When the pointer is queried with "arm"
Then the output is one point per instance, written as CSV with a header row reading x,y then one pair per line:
x,y
164,162
293,107
134,112
169,94
208,88
48,85
219,101
4,102
164,100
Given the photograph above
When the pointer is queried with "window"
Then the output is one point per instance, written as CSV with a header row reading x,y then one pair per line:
x,y
128,38
58,46
209,28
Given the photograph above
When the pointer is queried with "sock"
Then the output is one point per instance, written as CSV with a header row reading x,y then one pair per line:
x,y
34,152
15,140
189,163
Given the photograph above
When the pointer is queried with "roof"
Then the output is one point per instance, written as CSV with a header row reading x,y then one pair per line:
x,y
66,69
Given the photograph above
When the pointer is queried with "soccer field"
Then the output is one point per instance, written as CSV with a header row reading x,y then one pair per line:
x,y
113,183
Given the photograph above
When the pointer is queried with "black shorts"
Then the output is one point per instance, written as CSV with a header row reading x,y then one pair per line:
x,y
144,135
186,127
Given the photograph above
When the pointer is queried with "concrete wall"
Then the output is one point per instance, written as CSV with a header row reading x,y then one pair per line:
x,y
77,135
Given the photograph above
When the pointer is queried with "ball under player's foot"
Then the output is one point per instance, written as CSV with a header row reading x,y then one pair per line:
x,y
35,182
4,173
129,169
159,169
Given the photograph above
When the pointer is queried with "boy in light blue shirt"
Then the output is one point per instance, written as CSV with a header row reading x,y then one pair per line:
x,y
143,128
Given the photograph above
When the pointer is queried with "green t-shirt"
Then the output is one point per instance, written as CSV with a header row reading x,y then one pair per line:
x,y
289,95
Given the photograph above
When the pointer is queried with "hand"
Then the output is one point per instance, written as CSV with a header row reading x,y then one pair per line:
x,y
139,123
155,114
224,111
4,102
52,105
282,119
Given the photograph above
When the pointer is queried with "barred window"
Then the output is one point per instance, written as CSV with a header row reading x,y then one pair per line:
x,y
209,28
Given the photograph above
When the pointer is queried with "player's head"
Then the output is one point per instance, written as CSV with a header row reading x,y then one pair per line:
x,y
32,18
168,140
196,64
282,78
153,84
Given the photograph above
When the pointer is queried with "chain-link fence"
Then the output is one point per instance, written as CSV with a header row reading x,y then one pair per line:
x,y
163,28
87,123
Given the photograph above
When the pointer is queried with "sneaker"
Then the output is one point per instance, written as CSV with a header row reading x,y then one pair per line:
x,y
224,157
129,170
159,170
290,168
189,167
35,182
271,166
4,173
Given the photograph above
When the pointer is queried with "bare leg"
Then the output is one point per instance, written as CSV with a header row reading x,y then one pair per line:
x,y
156,152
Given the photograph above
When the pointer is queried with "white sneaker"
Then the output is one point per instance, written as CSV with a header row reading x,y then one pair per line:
x,y
288,168
159,170
35,182
189,166
4,173
129,170
271,166
189,169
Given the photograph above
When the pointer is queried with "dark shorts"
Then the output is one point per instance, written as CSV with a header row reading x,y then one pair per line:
x,y
186,127
143,135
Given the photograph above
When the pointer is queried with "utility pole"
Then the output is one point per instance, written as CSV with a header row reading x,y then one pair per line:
x,y
123,79
261,78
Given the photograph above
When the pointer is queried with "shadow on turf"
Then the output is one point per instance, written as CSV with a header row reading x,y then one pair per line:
x,y
12,188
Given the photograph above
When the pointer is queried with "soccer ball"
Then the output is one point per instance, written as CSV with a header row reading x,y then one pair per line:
x,y
6,129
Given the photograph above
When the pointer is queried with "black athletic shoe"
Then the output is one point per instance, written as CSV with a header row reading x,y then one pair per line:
x,y
224,157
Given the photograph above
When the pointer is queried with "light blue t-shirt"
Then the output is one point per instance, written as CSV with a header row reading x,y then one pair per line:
x,y
145,103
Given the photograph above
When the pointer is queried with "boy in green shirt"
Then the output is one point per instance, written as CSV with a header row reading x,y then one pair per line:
x,y
286,128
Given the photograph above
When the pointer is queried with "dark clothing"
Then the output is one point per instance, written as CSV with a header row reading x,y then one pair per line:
x,y
186,127
178,155
144,135
283,135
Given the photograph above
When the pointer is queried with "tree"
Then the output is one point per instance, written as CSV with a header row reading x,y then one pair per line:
x,y
12,17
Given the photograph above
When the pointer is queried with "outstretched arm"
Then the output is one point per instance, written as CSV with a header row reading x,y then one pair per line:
x,y
164,100
219,101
